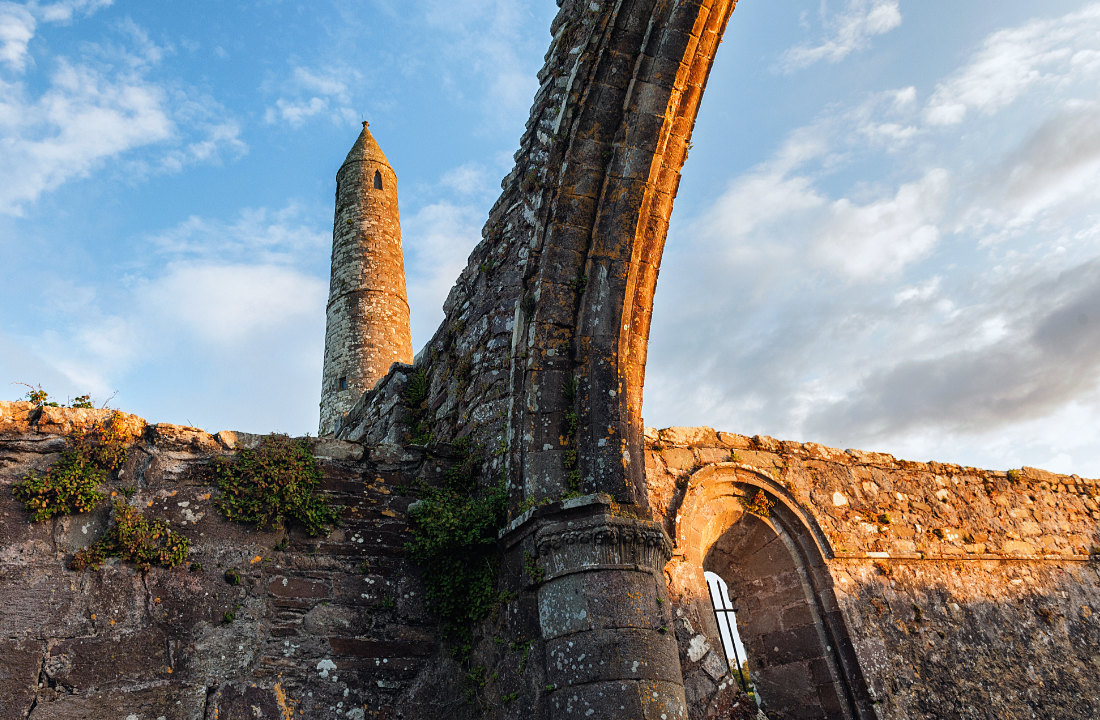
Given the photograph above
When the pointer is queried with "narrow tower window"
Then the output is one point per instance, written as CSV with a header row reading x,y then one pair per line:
x,y
343,383
377,180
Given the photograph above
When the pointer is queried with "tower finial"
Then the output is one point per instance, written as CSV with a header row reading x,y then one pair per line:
x,y
366,123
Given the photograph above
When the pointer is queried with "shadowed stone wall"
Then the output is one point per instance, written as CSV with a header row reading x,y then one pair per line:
x,y
324,627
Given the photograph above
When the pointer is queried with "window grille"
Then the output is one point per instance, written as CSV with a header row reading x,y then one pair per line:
x,y
726,618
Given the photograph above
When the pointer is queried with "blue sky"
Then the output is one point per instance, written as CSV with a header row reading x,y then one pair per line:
x,y
887,234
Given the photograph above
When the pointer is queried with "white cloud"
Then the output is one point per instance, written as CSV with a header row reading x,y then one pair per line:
x,y
469,179
1056,167
261,235
217,140
16,30
18,24
849,31
63,11
484,36
309,93
437,241
97,107
1012,62
83,118
227,306
965,325
295,113
759,200
209,301
326,82
877,240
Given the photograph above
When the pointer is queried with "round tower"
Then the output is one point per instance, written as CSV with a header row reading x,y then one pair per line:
x,y
368,310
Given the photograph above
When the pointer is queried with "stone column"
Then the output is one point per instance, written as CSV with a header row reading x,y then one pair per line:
x,y
605,617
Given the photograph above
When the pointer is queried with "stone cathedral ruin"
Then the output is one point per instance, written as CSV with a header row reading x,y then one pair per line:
x,y
864,586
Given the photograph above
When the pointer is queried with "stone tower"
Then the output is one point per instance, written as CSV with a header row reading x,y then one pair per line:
x,y
368,310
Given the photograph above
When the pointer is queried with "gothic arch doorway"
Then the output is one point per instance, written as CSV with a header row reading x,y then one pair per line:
x,y
746,528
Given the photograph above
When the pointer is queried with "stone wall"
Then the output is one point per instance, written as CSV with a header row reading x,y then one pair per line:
x,y
324,627
959,592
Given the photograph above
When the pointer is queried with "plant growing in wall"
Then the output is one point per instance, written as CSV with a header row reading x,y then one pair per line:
x,y
416,400
72,484
134,538
454,530
759,505
274,484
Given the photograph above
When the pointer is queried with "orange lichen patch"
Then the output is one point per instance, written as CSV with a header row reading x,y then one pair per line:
x,y
389,513
255,560
286,705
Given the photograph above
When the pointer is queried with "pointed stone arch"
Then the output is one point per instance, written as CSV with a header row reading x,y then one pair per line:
x,y
774,559
607,191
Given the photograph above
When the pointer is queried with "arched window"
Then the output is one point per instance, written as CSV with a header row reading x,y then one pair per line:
x,y
377,180
725,615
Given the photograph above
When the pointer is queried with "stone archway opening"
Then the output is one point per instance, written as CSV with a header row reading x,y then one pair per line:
x,y
747,529
778,623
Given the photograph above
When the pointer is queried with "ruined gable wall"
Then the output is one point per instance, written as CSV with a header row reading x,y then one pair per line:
x,y
326,627
965,593
543,347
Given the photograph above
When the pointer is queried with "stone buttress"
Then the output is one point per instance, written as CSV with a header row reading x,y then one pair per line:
x,y
368,311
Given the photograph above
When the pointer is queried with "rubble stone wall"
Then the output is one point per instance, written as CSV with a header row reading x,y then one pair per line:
x,y
959,592
323,627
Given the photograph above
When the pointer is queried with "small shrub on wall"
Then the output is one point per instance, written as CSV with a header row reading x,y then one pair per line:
x,y
134,538
273,485
759,505
72,484
454,530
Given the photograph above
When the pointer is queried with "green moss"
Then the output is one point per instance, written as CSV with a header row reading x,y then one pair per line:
x,y
531,567
569,456
136,539
72,484
273,485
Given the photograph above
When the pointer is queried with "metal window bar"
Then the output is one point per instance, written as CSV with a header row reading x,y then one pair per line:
x,y
726,618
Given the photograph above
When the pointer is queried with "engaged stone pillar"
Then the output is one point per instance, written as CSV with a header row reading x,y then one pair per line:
x,y
605,617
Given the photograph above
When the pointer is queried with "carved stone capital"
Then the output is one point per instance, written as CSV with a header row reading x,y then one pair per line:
x,y
602,542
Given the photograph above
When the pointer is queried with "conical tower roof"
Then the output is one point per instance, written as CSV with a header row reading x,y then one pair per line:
x,y
366,149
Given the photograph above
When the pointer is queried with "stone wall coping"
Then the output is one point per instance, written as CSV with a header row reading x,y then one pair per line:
x,y
21,418
702,437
